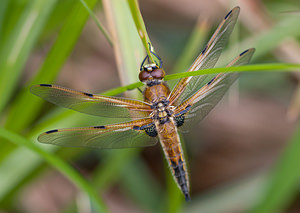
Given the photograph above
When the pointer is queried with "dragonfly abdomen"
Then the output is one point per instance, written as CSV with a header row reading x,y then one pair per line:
x,y
170,142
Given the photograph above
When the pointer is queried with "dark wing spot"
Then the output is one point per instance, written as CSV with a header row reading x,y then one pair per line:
x,y
244,52
99,127
136,128
228,14
88,94
45,85
211,81
51,131
204,50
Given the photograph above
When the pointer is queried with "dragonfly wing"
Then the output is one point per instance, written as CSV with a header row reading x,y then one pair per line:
x,y
202,102
103,106
123,135
207,59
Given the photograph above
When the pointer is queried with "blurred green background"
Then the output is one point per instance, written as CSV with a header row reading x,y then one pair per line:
x,y
243,157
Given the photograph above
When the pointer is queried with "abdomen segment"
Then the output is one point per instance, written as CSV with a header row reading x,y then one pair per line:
x,y
180,174
172,149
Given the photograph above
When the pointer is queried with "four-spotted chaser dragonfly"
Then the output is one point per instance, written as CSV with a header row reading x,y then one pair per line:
x,y
162,113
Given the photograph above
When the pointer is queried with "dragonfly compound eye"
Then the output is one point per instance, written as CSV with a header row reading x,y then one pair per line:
x,y
144,75
158,73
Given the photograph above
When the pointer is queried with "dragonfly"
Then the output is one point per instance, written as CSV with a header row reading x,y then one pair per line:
x,y
161,114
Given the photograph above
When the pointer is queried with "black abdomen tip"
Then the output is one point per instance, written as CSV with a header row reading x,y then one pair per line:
x,y
187,197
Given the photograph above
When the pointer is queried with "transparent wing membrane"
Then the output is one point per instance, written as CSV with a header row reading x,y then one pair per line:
x,y
103,106
207,59
203,101
122,135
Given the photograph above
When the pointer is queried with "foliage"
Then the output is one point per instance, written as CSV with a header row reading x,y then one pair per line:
x,y
26,24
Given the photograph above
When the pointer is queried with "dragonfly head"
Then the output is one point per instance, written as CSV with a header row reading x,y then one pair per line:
x,y
151,72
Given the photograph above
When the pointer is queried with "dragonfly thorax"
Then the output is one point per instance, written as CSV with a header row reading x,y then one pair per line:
x,y
162,111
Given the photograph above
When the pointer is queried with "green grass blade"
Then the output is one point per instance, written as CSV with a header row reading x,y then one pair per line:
x,y
138,181
57,163
11,178
140,26
283,182
113,164
100,26
29,166
128,48
279,67
3,10
11,18
26,105
17,48
246,68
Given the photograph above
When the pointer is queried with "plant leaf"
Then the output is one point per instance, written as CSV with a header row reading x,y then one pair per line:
x,y
57,163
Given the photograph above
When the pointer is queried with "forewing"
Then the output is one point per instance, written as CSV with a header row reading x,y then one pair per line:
x,y
103,106
202,102
122,135
207,59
